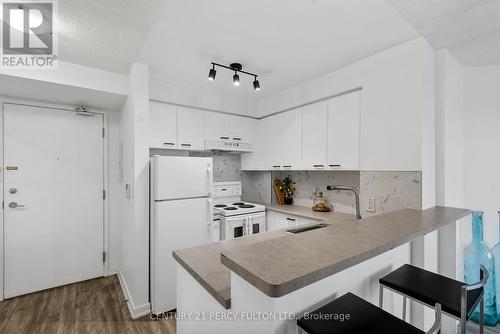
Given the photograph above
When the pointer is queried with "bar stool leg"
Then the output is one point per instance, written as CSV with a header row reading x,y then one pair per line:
x,y
481,316
381,297
404,308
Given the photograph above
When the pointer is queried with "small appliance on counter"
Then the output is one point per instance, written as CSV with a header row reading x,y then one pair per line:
x,y
237,218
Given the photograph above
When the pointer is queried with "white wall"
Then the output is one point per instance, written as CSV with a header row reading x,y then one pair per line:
x,y
67,84
134,267
482,145
450,126
188,95
397,98
450,164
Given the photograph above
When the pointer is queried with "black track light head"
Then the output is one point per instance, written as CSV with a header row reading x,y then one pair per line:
x,y
212,73
236,79
256,85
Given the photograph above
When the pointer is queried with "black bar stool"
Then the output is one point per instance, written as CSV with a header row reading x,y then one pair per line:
x,y
364,318
457,299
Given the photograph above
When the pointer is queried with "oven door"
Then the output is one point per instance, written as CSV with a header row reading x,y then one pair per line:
x,y
256,223
235,227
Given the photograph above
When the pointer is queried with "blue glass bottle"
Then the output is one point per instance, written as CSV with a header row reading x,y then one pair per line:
x,y
475,254
496,257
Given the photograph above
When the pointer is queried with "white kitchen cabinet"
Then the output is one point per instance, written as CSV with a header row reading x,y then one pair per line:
x,y
285,140
217,126
292,140
257,160
314,136
190,127
343,131
271,220
162,125
275,141
286,221
242,128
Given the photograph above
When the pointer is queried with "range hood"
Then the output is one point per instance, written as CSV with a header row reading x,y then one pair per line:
x,y
227,146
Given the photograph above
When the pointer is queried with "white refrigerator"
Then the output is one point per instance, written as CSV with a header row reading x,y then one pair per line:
x,y
181,216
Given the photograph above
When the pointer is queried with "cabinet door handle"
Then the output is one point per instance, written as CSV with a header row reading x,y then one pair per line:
x,y
276,166
287,166
319,166
334,166
236,138
186,145
291,219
168,144
224,137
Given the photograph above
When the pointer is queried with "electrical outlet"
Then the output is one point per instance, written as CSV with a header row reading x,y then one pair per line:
x,y
370,204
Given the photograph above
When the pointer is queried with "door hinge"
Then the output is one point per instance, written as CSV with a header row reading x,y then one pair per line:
x,y
103,256
103,132
104,194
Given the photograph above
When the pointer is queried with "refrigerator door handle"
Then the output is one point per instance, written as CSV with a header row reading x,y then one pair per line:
x,y
210,212
209,179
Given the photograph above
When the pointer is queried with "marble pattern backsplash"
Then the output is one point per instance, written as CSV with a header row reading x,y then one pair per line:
x,y
391,190
257,187
306,182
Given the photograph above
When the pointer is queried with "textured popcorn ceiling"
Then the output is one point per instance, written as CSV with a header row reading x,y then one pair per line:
x,y
285,41
470,29
105,34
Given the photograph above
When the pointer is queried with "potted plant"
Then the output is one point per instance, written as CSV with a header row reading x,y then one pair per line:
x,y
288,190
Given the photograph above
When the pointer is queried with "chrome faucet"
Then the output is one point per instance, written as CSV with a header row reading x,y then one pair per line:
x,y
356,195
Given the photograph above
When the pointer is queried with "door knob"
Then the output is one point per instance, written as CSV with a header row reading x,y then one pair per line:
x,y
14,205
12,190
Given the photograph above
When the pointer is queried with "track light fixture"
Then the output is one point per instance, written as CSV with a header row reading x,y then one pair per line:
x,y
237,68
236,79
256,85
212,73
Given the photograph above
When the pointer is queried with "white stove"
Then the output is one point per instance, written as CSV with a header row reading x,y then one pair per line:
x,y
236,217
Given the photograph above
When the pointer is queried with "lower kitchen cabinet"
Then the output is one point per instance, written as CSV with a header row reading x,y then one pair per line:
x,y
278,220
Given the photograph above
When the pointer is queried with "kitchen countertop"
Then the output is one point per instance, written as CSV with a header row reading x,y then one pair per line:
x,y
307,212
203,263
302,259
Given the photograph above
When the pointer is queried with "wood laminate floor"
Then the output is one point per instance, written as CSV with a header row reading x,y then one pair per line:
x,y
94,306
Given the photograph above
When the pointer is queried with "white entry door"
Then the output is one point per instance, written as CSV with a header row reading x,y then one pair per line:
x,y
53,198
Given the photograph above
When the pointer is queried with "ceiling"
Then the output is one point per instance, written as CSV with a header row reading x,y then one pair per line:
x,y
105,34
469,29
284,41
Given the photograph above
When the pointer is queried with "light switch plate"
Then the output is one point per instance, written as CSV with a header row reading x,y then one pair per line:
x,y
370,204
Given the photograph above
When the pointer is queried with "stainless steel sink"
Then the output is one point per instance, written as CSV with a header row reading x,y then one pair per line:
x,y
306,228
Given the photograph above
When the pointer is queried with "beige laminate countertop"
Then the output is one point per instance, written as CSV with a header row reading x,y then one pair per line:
x,y
301,259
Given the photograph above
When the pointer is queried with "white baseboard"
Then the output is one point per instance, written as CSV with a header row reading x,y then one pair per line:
x,y
135,311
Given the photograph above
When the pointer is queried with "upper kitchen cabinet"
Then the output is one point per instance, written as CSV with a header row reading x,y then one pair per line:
x,y
257,160
275,141
291,129
162,125
241,128
190,127
314,136
343,131
217,126
284,140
